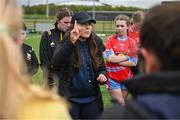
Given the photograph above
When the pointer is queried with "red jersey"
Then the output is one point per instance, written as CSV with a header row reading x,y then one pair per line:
x,y
115,71
135,35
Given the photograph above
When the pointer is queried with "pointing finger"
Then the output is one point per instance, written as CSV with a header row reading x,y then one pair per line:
x,y
75,23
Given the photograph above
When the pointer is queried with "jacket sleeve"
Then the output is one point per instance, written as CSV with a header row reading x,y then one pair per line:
x,y
62,53
102,68
43,50
35,64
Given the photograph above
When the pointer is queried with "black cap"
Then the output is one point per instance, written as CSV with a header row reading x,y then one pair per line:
x,y
82,18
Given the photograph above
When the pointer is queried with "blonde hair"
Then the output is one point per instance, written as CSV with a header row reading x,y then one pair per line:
x,y
10,61
122,17
15,86
10,15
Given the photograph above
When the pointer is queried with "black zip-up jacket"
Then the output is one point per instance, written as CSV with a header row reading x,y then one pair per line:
x,y
30,59
64,60
49,41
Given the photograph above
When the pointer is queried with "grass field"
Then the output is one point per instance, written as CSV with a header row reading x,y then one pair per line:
x,y
34,41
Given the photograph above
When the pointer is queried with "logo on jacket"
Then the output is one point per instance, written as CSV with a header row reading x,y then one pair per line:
x,y
52,44
28,56
30,51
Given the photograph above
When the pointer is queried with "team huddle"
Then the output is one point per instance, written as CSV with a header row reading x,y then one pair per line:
x,y
76,61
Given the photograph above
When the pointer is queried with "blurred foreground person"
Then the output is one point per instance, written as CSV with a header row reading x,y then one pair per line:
x,y
28,53
156,95
81,68
18,99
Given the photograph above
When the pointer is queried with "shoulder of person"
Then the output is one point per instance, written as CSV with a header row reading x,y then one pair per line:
x,y
43,106
38,109
131,39
132,110
48,32
97,38
28,47
110,37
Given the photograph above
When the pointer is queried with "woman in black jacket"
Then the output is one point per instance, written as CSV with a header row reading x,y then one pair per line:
x,y
50,39
81,68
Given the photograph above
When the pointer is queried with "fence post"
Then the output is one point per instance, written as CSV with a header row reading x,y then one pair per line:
x,y
34,25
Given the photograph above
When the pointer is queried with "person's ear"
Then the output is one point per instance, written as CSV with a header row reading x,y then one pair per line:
x,y
150,61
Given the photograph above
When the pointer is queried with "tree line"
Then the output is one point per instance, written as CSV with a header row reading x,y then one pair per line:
x,y
53,8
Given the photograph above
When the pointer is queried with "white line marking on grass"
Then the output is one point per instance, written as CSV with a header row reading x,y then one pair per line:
x,y
33,37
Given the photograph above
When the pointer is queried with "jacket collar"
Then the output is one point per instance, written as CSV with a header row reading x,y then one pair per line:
x,y
162,82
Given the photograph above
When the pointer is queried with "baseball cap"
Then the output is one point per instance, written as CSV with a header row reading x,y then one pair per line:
x,y
82,18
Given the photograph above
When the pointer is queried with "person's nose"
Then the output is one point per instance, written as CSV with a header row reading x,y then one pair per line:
x,y
119,28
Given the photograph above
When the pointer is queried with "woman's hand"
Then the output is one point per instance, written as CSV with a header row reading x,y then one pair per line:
x,y
75,33
102,78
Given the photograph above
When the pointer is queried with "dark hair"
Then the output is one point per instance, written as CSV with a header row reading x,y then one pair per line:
x,y
63,12
92,46
160,34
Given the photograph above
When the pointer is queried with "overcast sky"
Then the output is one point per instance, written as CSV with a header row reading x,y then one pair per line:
x,y
137,3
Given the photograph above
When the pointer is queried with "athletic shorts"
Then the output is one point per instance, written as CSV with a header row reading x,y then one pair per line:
x,y
115,85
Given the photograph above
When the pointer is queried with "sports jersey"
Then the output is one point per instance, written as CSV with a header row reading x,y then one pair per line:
x,y
135,35
118,47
